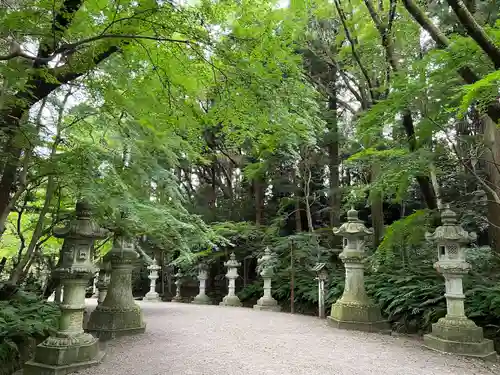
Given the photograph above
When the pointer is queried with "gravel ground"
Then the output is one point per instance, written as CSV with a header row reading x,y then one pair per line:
x,y
184,339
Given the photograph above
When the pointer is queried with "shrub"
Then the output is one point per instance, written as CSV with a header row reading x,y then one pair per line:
x,y
25,319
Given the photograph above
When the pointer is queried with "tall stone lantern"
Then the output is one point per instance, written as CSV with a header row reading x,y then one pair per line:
x,y
118,315
152,295
355,310
71,349
202,298
455,333
178,284
265,266
232,274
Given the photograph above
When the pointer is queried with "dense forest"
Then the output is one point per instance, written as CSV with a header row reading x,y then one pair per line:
x,y
223,126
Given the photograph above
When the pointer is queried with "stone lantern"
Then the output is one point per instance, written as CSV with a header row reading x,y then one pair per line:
x,y
202,298
178,284
152,295
103,281
355,310
118,314
321,276
232,274
265,266
455,333
71,349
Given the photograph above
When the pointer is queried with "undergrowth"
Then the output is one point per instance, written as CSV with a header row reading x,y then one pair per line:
x,y
24,319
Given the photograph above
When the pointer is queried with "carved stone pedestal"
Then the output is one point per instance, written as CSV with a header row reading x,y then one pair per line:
x,y
118,315
460,336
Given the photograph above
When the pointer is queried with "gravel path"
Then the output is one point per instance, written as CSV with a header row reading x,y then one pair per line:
x,y
184,339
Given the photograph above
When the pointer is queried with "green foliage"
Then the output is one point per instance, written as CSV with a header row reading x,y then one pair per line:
x,y
403,241
23,318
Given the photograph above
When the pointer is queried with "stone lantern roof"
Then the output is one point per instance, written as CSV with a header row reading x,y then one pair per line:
x,y
353,227
232,262
82,226
450,231
266,257
154,265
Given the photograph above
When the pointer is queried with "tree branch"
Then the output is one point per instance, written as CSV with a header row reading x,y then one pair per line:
x,y
475,31
493,109
353,43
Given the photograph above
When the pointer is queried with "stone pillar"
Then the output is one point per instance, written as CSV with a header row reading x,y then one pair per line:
x,y
118,315
455,333
152,295
232,274
178,284
70,349
103,281
265,266
355,310
202,298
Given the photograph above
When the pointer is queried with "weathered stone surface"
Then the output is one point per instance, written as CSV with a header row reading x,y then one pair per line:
x,y
358,316
355,310
71,349
232,274
118,314
455,333
231,301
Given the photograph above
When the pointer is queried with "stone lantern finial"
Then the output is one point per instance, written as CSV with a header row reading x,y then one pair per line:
x,y
455,333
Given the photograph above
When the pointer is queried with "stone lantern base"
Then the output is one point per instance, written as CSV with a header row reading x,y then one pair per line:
x,y
202,300
109,323
231,301
267,304
358,317
152,297
459,336
60,356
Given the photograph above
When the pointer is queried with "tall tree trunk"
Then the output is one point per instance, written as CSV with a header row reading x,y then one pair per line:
x,y
297,212
260,192
23,266
333,156
492,165
377,207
